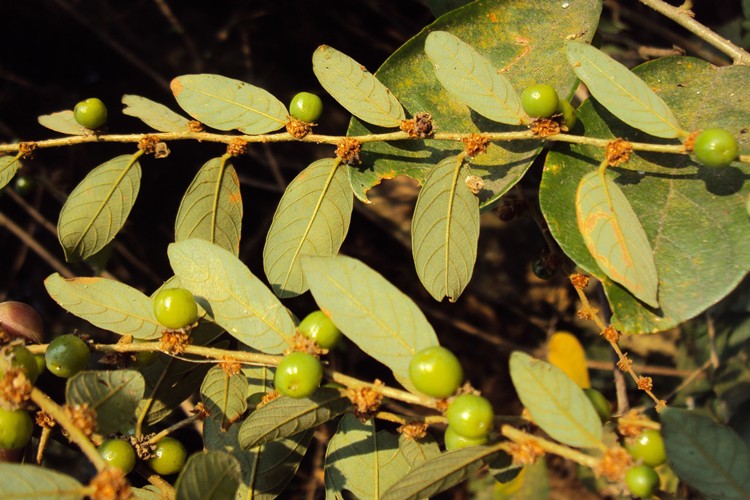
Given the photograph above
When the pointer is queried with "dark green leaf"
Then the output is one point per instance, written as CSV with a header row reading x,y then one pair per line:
x,y
709,457
32,481
311,219
114,395
211,475
98,207
211,208
153,114
224,395
9,165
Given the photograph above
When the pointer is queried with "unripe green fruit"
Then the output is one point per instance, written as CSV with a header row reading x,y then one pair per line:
x,y
118,453
539,100
436,372
600,403
16,427
175,308
169,456
642,480
319,327
455,441
306,107
23,359
715,147
568,113
67,355
470,415
298,375
648,447
90,113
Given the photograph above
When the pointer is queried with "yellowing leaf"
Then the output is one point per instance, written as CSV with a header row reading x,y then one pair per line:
x,y
566,352
615,237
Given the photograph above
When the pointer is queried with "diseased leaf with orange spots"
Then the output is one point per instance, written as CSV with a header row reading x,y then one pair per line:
x,y
615,237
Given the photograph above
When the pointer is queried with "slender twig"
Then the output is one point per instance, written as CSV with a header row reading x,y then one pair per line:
x,y
519,436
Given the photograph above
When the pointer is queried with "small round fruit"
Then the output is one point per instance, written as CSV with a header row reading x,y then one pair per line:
x,y
20,320
169,456
568,113
540,100
66,355
600,403
22,358
175,308
16,427
298,375
455,441
470,415
715,147
648,447
90,113
642,480
319,327
23,185
436,371
542,270
118,453
306,107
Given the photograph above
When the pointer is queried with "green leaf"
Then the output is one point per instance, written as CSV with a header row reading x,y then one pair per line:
x,y
524,40
311,219
149,492
365,462
708,456
370,311
228,104
107,304
355,88
440,473
445,230
224,395
211,208
284,417
98,207
472,79
266,470
238,301
259,379
155,115
557,405
113,394
529,483
694,217
208,474
63,122
615,237
33,481
622,92
9,165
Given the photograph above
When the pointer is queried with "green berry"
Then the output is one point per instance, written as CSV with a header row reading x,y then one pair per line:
x,y
568,113
67,355
470,415
715,147
22,358
455,441
118,453
648,448
539,100
642,480
436,371
168,457
90,113
175,308
600,403
319,327
298,375
306,107
23,185
16,427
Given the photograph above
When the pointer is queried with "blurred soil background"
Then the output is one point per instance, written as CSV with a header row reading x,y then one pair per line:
x,y
55,53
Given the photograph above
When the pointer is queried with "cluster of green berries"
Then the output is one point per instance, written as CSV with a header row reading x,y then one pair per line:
x,y
167,458
648,451
90,113
541,101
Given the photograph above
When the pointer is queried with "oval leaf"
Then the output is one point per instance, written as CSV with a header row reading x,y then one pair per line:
x,y
615,237
228,104
445,230
472,79
208,474
113,394
355,88
311,219
224,395
566,352
98,207
63,122
211,208
370,311
284,417
708,456
440,473
33,481
107,304
557,405
623,93
237,300
9,165
155,115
